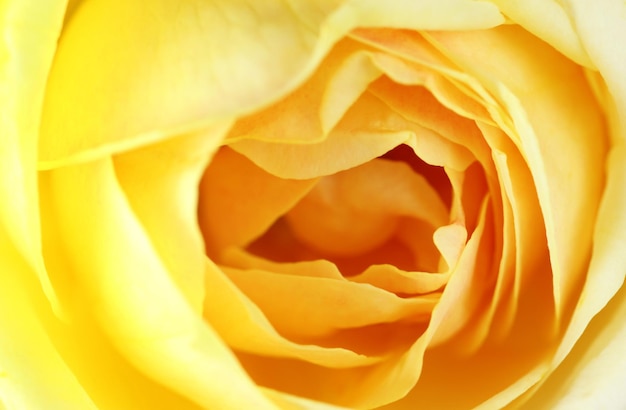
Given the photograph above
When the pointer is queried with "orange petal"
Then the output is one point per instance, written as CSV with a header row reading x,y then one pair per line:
x,y
542,97
357,210
245,327
327,305
239,201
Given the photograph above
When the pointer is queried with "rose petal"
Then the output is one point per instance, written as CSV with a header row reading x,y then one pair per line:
x,y
290,402
328,305
422,15
480,378
239,201
355,211
369,130
418,105
469,280
30,32
32,372
549,21
133,296
170,67
161,180
309,113
393,279
424,64
597,364
525,238
541,95
245,327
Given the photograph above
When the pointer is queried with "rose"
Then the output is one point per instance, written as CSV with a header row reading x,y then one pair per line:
x,y
126,125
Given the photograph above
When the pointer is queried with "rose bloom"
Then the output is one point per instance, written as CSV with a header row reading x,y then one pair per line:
x,y
312,205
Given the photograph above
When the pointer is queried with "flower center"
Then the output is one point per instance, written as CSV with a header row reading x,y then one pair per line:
x,y
337,221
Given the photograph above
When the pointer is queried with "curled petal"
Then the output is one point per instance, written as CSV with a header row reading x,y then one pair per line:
x,y
133,296
30,33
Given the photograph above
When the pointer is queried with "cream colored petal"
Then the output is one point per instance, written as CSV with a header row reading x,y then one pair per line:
x,y
246,328
554,111
29,30
239,201
420,15
597,363
549,21
128,73
134,298
32,372
592,374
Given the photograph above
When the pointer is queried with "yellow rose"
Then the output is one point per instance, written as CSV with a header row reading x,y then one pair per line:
x,y
312,205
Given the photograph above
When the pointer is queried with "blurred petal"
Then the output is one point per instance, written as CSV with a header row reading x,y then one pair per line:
x,y
134,297
30,30
290,402
32,373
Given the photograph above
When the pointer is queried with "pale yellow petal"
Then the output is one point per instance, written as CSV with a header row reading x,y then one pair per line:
x,y
108,377
290,402
128,73
30,30
592,374
601,344
32,372
133,296
549,21
418,15
161,184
